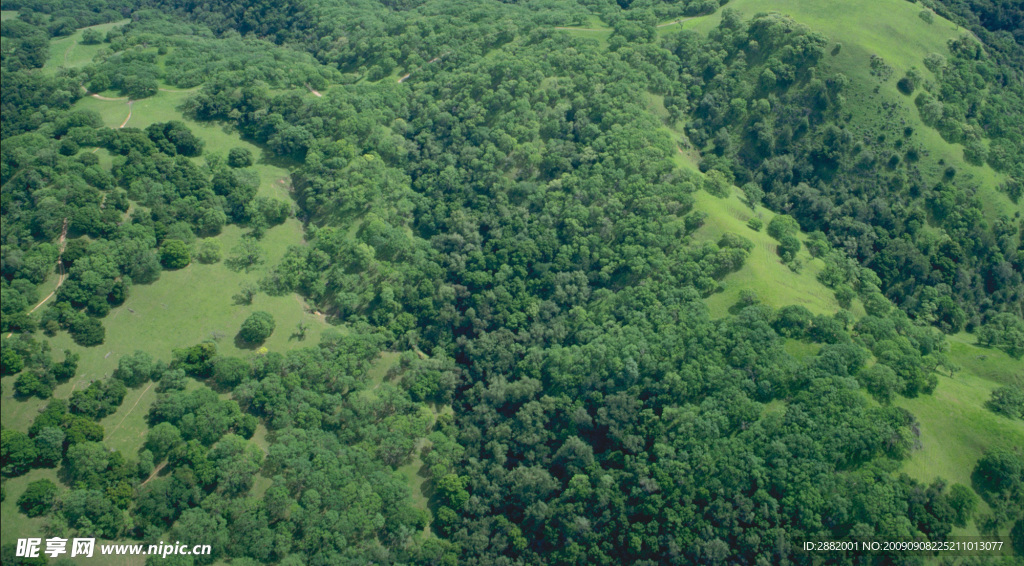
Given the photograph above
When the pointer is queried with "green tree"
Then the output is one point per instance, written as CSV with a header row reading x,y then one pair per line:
x,y
1008,400
209,251
38,498
257,328
87,331
136,369
174,254
162,439
17,452
50,446
239,157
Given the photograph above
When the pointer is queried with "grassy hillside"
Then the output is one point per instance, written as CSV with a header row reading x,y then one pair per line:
x,y
182,308
894,31
764,273
69,52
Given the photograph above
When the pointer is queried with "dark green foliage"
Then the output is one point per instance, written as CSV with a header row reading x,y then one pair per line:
x,y
257,327
99,399
881,382
239,157
906,85
999,478
196,360
17,452
175,138
136,369
1008,400
38,498
517,222
87,331
963,501
174,254
229,372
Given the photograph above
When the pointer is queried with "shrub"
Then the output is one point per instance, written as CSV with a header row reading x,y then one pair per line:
x,y
257,328
174,254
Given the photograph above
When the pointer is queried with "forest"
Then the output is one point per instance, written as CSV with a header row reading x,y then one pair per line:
x,y
486,282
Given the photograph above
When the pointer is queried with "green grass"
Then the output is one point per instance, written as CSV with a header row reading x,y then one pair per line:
x,y
8,15
15,524
764,273
987,363
801,350
68,52
956,429
892,30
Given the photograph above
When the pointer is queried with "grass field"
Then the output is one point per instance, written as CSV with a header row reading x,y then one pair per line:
x,y
182,308
764,273
68,52
956,428
892,30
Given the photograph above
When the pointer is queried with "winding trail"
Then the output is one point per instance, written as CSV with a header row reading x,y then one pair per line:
x,y
61,275
141,395
156,471
125,123
678,21
434,60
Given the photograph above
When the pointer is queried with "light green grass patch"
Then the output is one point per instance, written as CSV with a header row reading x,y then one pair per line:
x,y
69,53
182,308
8,15
892,30
956,429
16,524
763,273
801,350
112,112
990,364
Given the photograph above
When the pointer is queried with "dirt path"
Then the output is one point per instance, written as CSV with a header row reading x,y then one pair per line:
x,y
141,395
314,91
666,24
125,123
156,471
674,22
434,60
61,275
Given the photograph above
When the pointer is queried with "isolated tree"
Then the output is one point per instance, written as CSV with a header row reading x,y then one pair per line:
x,y
246,254
208,251
239,157
174,254
38,498
91,37
301,329
245,295
136,368
257,328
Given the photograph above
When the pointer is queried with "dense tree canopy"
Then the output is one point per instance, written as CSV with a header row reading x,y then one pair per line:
x,y
492,204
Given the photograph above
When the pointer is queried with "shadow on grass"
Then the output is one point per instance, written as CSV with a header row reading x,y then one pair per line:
x,y
242,344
